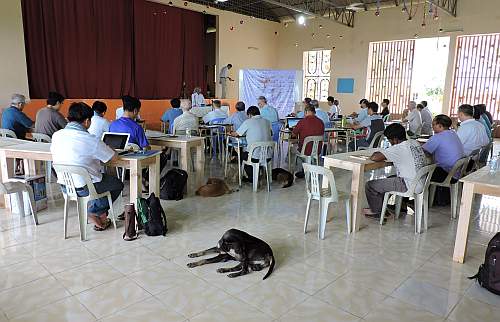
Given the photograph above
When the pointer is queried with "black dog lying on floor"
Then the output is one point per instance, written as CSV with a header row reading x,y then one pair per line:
x,y
251,252
283,176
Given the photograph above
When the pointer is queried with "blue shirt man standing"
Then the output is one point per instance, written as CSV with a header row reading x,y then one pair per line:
x,y
14,119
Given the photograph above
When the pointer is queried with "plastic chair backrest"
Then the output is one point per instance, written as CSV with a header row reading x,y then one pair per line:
x,y
315,141
474,157
485,151
313,175
459,168
183,132
66,172
386,118
423,172
6,133
377,139
263,150
40,137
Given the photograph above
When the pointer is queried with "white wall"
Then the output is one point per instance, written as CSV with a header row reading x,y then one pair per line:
x,y
13,75
350,56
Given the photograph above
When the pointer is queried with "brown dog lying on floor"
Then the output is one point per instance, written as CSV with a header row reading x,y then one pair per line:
x,y
283,176
252,253
214,188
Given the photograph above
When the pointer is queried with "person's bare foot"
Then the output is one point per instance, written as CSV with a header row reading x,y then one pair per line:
x,y
96,220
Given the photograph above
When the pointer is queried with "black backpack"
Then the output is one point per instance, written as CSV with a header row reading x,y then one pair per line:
x,y
172,185
488,275
157,221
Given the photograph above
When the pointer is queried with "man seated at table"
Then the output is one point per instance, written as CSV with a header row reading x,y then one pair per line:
x,y
186,120
127,123
49,119
385,107
481,117
216,114
322,115
73,145
407,157
471,132
171,114
426,116
236,119
267,111
363,112
14,119
99,124
310,125
413,117
373,124
334,108
256,129
446,149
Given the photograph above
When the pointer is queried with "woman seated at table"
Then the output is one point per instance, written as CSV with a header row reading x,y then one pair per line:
x,y
74,145
407,157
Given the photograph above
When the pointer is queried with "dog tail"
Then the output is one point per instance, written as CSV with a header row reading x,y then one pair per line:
x,y
271,267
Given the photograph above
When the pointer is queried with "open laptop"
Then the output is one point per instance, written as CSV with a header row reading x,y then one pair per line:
x,y
291,122
117,141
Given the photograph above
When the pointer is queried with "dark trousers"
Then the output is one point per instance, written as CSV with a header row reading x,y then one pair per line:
x,y
248,168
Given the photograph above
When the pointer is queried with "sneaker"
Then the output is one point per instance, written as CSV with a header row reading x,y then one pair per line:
x,y
300,175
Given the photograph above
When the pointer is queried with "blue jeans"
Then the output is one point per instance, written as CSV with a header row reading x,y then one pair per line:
x,y
108,183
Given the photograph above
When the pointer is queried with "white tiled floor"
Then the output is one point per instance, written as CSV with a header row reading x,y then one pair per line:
x,y
379,274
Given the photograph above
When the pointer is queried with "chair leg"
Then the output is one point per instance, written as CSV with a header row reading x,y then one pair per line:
x,y
425,205
65,216
32,205
348,214
432,194
384,208
112,212
399,201
269,176
454,200
320,214
308,208
323,215
82,218
48,170
418,214
255,179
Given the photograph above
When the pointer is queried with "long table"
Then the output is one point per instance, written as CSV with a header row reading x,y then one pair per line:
x,y
480,182
35,151
358,163
185,144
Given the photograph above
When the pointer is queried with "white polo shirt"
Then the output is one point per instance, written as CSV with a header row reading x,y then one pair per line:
x,y
98,126
256,129
213,115
80,148
186,120
472,135
197,99
415,120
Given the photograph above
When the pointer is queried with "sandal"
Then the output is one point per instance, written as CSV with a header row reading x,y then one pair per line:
x,y
106,226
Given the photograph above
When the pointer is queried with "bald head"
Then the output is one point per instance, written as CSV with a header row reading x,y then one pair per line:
x,y
185,105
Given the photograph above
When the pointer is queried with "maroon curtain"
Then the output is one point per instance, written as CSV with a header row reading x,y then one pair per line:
x,y
108,48
81,48
194,51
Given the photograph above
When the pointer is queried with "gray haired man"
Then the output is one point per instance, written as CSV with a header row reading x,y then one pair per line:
x,y
13,117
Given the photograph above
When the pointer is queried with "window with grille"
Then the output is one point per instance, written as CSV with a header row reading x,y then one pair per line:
x,y
476,78
317,74
390,68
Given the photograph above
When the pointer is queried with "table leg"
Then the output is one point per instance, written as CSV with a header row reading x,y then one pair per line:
x,y
357,191
154,177
185,157
29,167
200,160
135,180
4,202
463,223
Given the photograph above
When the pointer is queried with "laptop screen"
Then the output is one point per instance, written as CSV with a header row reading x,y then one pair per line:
x,y
117,141
292,122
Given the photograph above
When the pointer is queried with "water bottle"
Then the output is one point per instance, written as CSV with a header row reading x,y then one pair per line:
x,y
494,164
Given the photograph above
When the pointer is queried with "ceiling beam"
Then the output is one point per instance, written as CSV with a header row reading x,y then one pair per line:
x,y
339,15
448,6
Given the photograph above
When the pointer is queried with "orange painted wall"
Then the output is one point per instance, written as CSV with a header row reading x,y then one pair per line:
x,y
151,110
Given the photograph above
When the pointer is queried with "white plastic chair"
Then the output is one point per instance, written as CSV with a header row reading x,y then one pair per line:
x,y
262,152
65,172
325,196
6,133
44,138
12,186
460,168
375,143
421,199
315,142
